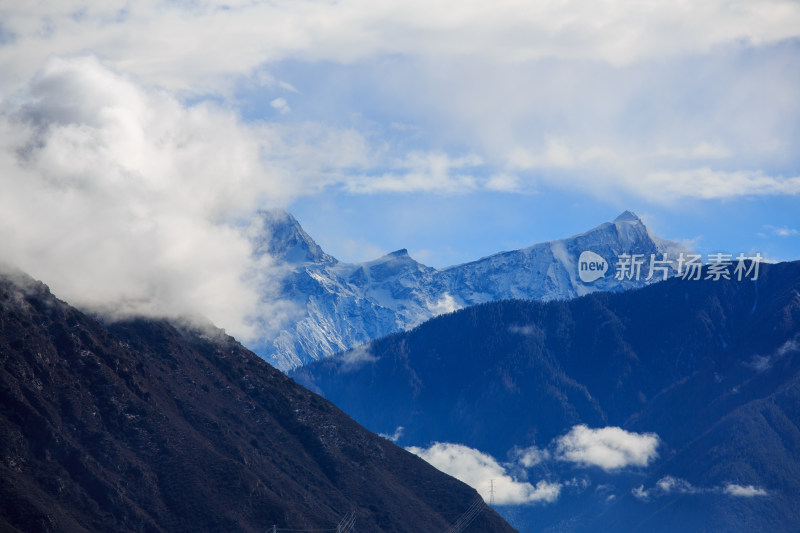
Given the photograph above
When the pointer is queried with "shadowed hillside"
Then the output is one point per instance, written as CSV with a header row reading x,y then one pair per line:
x,y
145,426
711,367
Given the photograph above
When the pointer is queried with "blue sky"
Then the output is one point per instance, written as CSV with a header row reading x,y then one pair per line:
x,y
137,139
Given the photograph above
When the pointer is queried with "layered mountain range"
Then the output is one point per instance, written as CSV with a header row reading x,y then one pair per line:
x,y
154,426
342,305
674,407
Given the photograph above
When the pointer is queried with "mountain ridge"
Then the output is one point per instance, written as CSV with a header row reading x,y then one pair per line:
x,y
341,305
710,367
151,425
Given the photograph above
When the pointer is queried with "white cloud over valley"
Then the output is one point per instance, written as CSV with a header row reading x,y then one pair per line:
x,y
668,485
610,448
478,469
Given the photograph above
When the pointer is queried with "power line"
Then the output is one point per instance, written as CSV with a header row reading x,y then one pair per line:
x,y
469,515
347,523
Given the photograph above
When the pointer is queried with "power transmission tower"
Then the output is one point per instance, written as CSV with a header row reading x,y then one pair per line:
x,y
491,492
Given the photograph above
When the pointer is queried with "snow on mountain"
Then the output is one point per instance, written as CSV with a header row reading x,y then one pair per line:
x,y
343,305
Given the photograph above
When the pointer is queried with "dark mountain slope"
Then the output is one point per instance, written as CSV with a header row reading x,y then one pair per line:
x,y
610,358
145,426
712,367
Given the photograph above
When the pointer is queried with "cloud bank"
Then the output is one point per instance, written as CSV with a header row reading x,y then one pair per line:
x,y
185,45
126,201
599,97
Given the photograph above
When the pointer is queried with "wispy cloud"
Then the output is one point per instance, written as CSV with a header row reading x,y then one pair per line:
x,y
781,231
762,363
478,469
529,330
706,183
394,437
421,172
673,485
530,456
354,359
445,304
281,106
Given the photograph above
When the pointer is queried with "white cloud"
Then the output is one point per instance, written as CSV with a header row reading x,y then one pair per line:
x,y
748,491
706,183
127,201
431,172
529,330
394,437
582,95
531,456
477,469
505,182
186,45
672,485
554,153
445,304
609,448
665,485
605,173
762,363
355,358
281,105
781,232
357,250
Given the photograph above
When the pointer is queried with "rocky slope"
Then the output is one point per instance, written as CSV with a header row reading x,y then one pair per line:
x,y
151,427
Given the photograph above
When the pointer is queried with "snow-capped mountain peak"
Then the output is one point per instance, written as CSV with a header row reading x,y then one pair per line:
x,y
628,216
278,234
347,304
